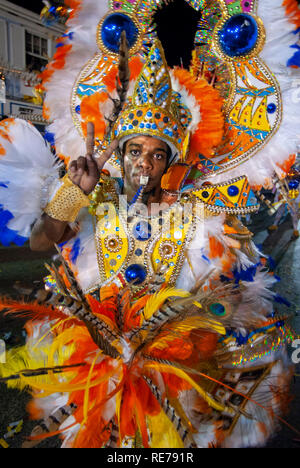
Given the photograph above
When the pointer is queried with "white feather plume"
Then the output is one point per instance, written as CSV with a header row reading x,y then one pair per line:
x,y
83,27
27,171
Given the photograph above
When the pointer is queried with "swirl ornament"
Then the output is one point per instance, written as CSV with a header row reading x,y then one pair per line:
x,y
168,250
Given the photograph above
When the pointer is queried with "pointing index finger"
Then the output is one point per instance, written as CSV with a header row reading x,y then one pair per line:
x,y
106,154
90,139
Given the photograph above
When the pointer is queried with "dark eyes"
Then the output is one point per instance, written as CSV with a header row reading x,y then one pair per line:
x,y
136,153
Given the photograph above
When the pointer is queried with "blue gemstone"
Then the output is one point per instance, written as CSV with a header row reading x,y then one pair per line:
x,y
135,274
293,184
233,191
77,109
142,231
239,35
138,252
217,309
112,28
271,108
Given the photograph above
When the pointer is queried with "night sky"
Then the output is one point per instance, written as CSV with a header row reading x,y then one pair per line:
x,y
33,5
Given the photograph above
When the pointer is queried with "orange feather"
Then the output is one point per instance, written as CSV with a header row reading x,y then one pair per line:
x,y
210,130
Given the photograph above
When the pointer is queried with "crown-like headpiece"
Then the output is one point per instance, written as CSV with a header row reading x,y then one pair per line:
x,y
154,109
167,105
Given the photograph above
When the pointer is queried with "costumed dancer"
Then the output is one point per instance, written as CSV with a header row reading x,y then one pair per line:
x,y
159,328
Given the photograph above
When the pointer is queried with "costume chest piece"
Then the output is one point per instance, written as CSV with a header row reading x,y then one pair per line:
x,y
132,247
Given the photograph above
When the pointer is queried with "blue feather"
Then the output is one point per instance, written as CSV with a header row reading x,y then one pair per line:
x,y
246,274
281,300
50,137
75,251
9,236
5,217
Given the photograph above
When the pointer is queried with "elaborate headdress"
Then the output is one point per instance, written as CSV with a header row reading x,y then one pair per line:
x,y
260,118
168,105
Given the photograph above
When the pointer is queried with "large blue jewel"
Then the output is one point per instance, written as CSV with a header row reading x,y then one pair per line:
x,y
135,274
112,28
142,231
239,35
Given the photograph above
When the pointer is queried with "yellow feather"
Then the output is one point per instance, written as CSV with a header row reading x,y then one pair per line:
x,y
20,359
87,389
175,330
191,323
66,387
157,299
163,433
52,329
183,375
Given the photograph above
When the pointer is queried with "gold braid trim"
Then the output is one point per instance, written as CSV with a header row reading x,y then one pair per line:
x,y
67,202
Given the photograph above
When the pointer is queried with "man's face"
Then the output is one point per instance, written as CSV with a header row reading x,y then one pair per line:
x,y
145,156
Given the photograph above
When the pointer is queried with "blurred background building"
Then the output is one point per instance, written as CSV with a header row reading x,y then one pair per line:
x,y
26,45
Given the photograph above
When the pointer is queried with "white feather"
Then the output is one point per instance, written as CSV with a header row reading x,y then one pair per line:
x,y
28,170
83,25
198,264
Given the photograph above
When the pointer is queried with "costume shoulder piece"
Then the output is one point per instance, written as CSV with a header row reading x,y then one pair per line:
x,y
232,197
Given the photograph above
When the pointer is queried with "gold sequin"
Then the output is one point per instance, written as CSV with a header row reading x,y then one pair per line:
x,y
67,202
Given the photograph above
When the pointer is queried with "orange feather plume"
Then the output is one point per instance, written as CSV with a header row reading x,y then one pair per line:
x,y
33,310
292,11
210,129
90,112
109,80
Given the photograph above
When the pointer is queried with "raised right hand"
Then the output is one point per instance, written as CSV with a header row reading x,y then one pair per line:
x,y
85,171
